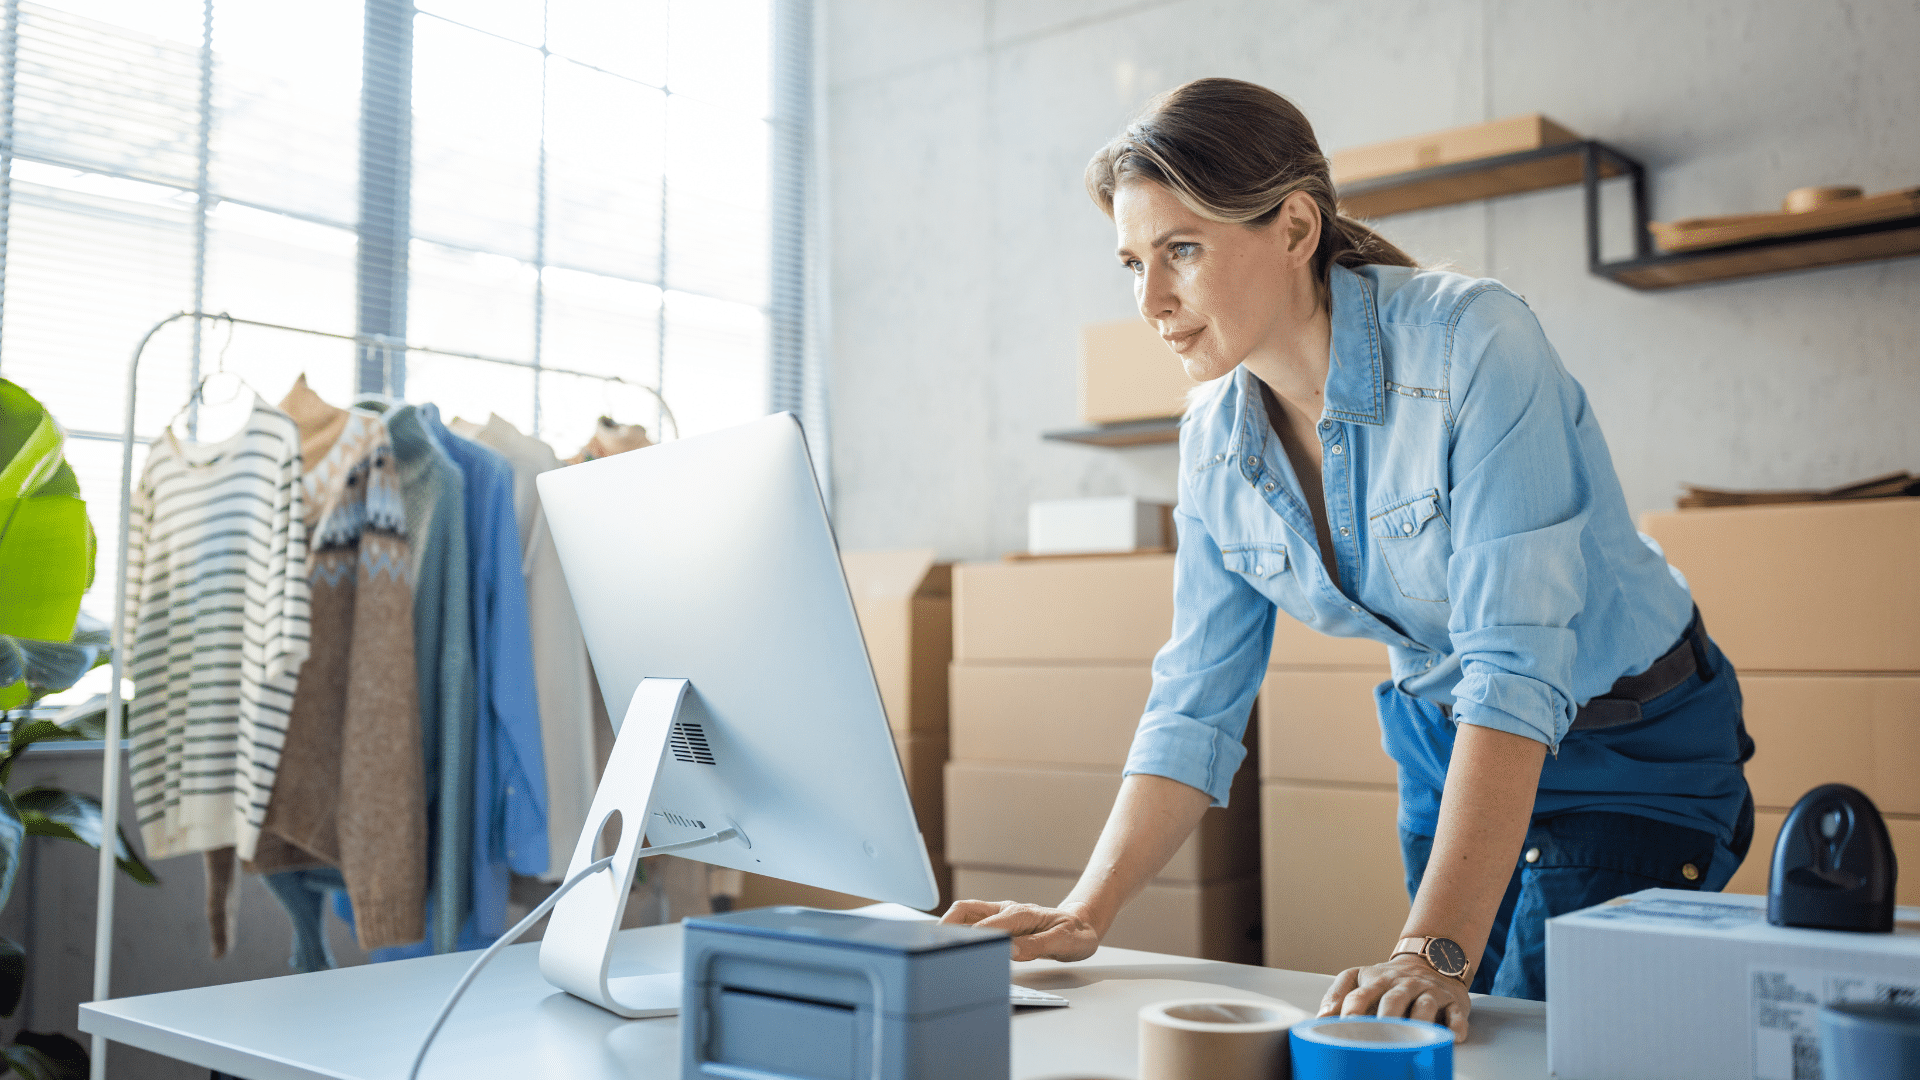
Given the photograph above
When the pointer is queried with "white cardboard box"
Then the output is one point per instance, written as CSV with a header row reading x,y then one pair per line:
x,y
1668,983
1095,526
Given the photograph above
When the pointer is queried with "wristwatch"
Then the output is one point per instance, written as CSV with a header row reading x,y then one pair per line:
x,y
1445,954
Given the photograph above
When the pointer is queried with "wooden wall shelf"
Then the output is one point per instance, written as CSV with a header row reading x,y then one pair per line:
x,y
1130,433
1469,181
1893,239
1587,162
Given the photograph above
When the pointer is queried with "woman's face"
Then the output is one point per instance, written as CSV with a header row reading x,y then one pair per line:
x,y
1217,292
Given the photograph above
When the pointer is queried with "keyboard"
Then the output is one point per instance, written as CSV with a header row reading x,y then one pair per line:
x,y
1023,997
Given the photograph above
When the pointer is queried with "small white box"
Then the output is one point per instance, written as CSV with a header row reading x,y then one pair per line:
x,y
1668,983
1095,526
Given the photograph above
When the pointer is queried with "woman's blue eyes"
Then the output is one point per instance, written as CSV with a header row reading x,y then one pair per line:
x,y
1183,250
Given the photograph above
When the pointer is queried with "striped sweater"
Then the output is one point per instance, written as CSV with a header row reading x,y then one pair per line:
x,y
217,629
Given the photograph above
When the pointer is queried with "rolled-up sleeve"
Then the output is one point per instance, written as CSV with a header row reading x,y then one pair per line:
x,y
1206,676
1520,500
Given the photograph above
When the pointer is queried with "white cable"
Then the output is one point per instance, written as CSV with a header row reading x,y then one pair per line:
x,y
534,916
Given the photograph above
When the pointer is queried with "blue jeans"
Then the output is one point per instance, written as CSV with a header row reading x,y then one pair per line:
x,y
1585,857
1583,860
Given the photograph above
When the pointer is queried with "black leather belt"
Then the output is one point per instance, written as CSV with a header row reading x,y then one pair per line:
x,y
1621,703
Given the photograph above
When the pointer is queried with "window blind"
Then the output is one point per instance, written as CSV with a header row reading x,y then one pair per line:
x,y
610,186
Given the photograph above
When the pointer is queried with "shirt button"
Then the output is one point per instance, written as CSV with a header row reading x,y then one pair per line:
x,y
1533,854
1325,424
1336,448
1690,872
1219,457
1355,608
1254,462
1408,527
1269,485
1344,531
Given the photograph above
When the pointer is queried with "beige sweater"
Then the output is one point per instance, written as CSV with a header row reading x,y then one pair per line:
x,y
351,788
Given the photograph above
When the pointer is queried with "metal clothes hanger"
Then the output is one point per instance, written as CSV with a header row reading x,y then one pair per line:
x,y
199,395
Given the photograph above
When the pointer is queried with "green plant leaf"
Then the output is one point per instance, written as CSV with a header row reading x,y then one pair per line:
x,y
27,733
56,1055
29,1062
13,832
47,546
86,720
69,815
13,976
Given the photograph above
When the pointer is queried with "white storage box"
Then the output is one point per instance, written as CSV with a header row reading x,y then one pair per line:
x,y
1096,526
1667,983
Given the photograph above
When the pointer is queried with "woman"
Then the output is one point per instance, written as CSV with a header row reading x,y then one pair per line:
x,y
1397,454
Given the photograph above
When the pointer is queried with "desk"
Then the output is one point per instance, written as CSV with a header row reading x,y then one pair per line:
x,y
364,1023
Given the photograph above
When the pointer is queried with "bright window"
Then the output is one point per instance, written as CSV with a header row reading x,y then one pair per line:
x,y
586,185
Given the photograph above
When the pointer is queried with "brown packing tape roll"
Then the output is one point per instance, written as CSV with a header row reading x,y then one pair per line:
x,y
1216,1039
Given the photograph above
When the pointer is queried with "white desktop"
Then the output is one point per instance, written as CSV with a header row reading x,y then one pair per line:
x,y
751,733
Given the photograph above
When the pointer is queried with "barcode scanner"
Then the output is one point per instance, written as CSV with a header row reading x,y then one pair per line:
x,y
1833,866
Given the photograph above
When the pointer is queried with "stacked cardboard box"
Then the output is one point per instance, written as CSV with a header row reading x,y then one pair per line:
x,y
1818,607
1050,676
1335,891
904,600
1128,373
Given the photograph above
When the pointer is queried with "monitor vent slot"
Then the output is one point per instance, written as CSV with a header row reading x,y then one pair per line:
x,y
681,820
690,744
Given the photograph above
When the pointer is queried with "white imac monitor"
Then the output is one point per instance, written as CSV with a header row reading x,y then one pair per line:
x,y
723,635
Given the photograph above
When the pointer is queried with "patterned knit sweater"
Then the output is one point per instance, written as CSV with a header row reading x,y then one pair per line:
x,y
350,791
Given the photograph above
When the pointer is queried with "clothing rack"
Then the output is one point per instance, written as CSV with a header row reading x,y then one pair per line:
x,y
116,721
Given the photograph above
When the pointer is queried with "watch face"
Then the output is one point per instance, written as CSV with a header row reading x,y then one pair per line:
x,y
1447,957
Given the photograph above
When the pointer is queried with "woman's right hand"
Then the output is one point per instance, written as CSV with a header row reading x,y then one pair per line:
x,y
1039,933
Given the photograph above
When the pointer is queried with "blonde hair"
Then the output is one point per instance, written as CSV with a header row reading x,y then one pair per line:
x,y
1232,151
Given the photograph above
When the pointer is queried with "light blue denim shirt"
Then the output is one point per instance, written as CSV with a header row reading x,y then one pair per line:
x,y
1477,523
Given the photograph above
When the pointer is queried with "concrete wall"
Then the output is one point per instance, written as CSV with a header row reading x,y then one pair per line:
x,y
964,253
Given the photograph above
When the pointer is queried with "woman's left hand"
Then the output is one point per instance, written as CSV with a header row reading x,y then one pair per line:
x,y
1403,986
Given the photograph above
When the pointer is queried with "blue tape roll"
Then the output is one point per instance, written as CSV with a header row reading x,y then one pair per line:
x,y
1370,1048
1862,1041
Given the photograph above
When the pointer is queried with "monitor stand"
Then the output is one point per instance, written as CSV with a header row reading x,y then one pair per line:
x,y
578,945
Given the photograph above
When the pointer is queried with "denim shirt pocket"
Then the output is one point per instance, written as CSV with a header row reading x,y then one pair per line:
x,y
1415,542
1257,561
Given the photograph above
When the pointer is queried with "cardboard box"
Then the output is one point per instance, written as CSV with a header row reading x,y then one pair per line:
x,y
1220,921
1095,610
1024,817
1128,373
1336,895
1051,714
904,600
1321,725
924,759
1506,136
1106,525
1295,644
1670,983
1751,878
1810,730
1813,587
